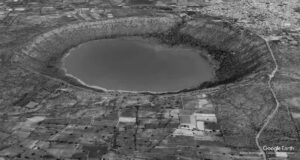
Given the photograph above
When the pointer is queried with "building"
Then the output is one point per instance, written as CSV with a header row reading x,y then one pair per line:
x,y
198,122
187,122
20,9
192,123
183,132
74,1
109,15
128,115
127,119
200,125
208,117
281,154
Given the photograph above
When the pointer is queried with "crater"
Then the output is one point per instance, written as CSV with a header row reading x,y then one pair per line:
x,y
237,54
137,65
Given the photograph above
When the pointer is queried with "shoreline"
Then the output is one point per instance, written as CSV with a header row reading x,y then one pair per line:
x,y
153,42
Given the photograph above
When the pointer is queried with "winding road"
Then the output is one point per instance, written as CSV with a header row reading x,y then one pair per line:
x,y
273,113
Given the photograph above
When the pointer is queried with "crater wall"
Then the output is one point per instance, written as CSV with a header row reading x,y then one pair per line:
x,y
54,44
239,53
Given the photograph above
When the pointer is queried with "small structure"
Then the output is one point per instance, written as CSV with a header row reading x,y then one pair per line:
x,y
200,125
183,132
20,9
127,119
128,116
187,122
281,154
209,117
109,15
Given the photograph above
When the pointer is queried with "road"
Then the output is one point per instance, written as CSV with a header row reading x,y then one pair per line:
x,y
273,113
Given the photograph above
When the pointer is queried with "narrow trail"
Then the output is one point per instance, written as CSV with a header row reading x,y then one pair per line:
x,y
273,113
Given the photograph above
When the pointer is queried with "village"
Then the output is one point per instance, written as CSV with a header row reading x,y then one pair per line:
x,y
89,10
125,125
194,118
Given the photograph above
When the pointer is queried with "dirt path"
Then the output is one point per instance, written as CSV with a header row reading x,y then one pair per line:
x,y
273,113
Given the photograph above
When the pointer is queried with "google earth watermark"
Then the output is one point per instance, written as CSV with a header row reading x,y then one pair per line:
x,y
279,148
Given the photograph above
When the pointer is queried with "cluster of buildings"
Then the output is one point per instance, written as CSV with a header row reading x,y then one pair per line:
x,y
196,118
45,7
90,9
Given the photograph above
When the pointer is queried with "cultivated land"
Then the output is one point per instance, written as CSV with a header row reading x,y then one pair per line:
x,y
252,105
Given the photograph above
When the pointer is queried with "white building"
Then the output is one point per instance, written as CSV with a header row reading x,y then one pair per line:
x,y
281,154
127,115
20,9
109,15
209,117
127,119
206,123
200,125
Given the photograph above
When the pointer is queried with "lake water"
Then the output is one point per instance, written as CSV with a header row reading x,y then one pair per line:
x,y
137,65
